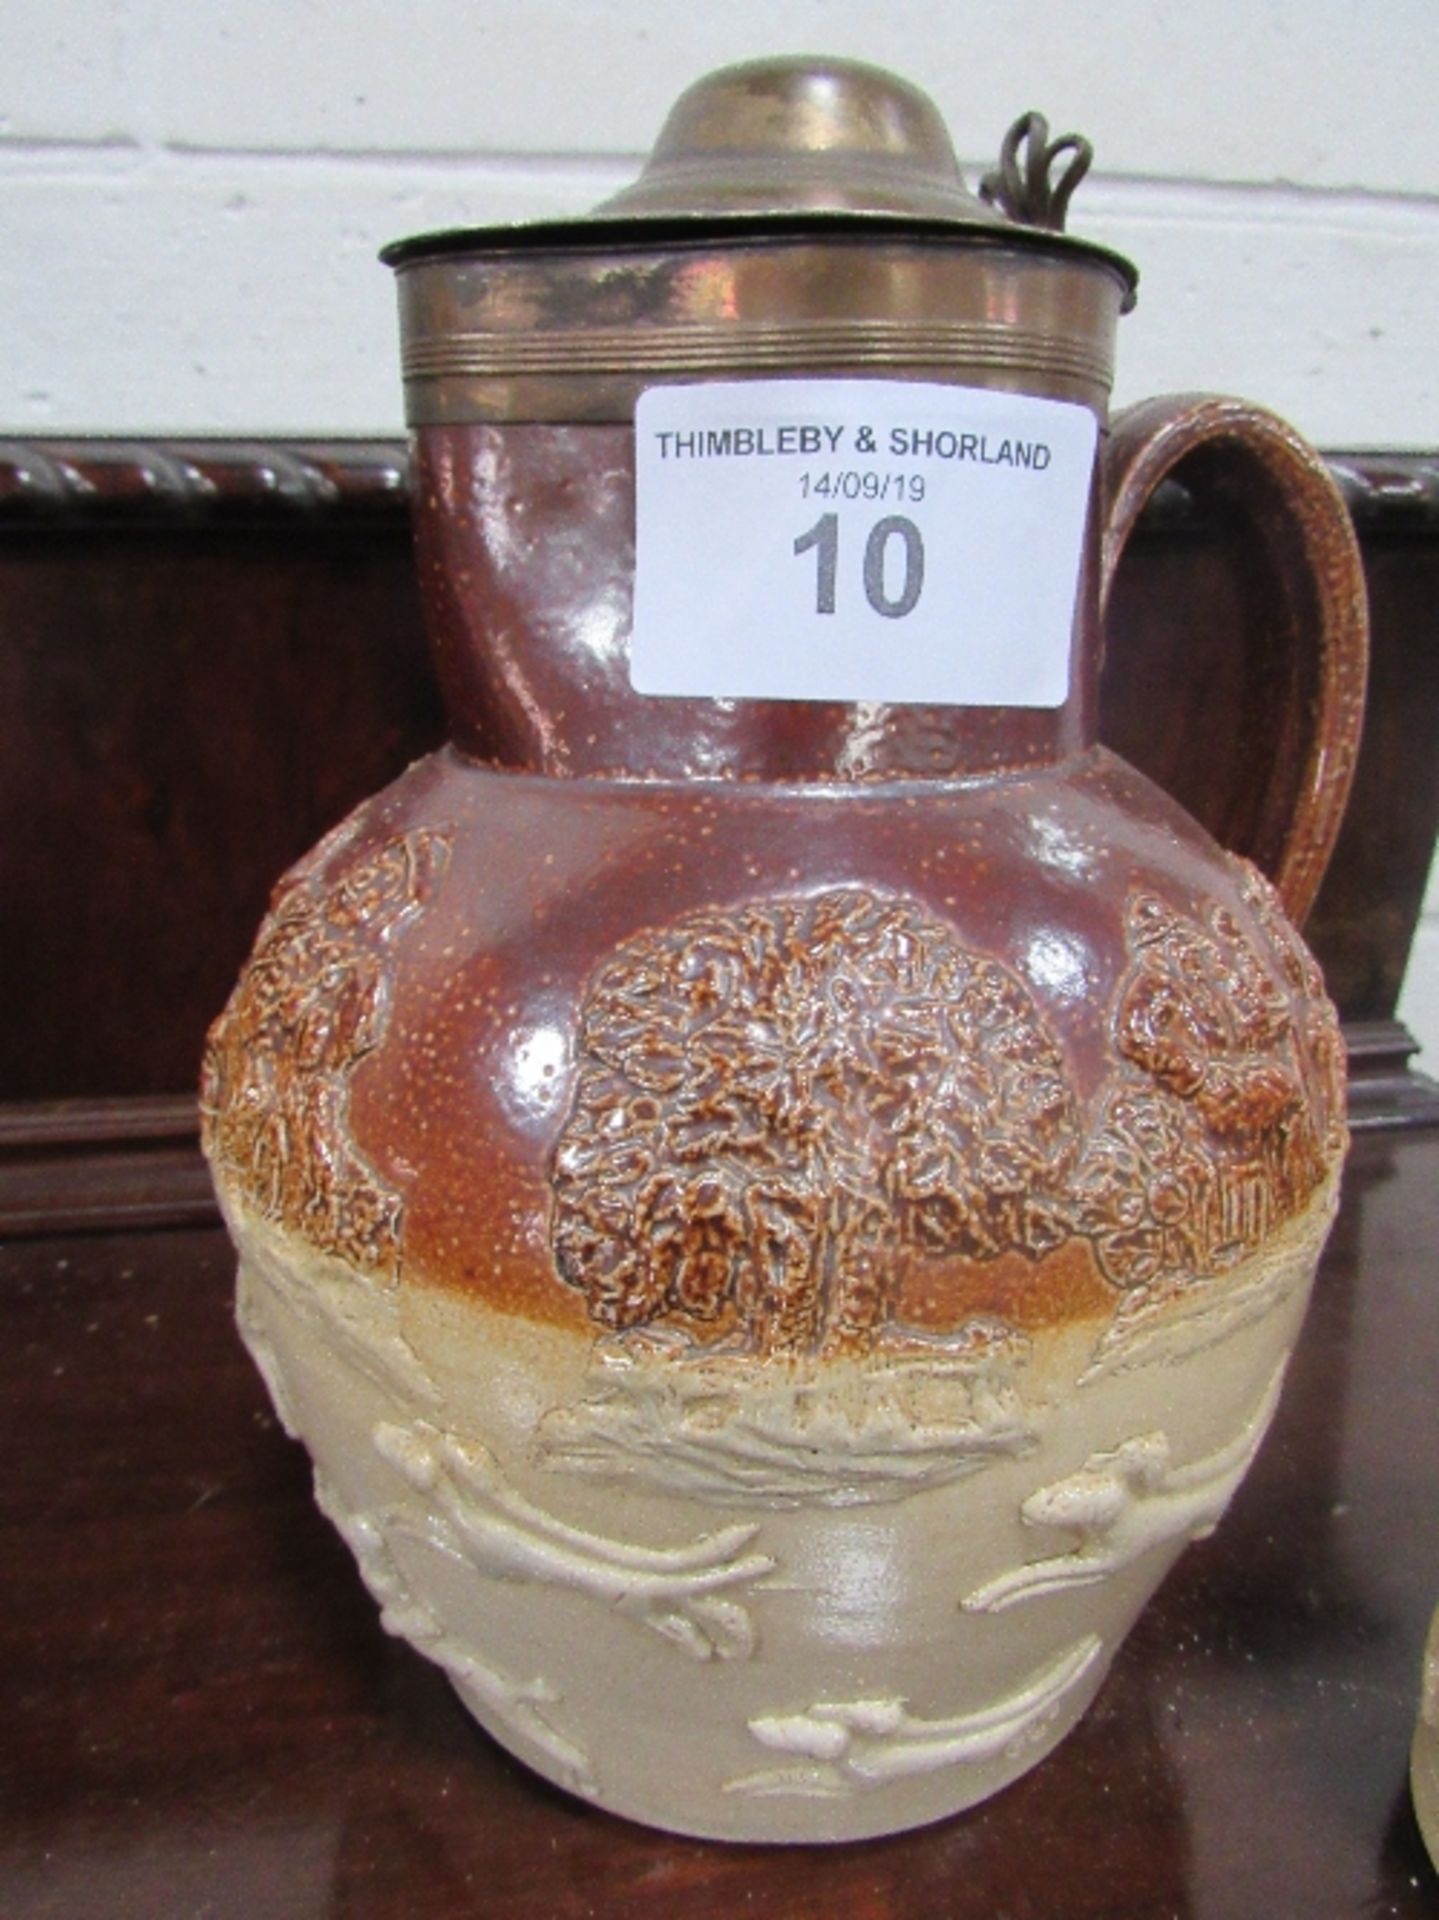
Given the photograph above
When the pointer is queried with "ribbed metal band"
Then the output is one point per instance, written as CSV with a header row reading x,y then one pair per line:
x,y
740,347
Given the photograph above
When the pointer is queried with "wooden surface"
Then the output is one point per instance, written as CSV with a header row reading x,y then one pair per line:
x,y
203,664
205,1719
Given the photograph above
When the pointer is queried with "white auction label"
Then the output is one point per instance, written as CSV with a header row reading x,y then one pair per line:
x,y
858,540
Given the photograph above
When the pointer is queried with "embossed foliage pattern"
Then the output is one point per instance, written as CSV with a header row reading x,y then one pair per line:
x,y
776,1103
313,1002
773,1100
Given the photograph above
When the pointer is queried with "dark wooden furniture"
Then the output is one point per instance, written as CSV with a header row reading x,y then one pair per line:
x,y
203,1716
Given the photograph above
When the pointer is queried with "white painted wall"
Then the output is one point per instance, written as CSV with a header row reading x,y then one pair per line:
x,y
192,192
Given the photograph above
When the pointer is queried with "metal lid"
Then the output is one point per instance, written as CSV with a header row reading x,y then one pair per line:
x,y
776,137
811,145
797,217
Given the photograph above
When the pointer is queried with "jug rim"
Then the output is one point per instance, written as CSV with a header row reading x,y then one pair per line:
x,y
655,233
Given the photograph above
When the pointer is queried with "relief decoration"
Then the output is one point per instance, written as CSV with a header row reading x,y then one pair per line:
x,y
776,1102
1226,1108
845,1747
716,1429
779,1106
525,1708
1124,1503
313,1002
685,1594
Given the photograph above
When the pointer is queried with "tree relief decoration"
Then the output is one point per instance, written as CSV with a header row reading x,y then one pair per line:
x,y
1226,1112
775,1103
312,1003
1318,1042
780,1107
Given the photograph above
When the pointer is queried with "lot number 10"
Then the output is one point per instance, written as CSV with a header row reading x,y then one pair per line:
x,y
822,540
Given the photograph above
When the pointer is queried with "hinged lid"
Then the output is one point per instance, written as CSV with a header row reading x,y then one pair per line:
x,y
810,141
720,259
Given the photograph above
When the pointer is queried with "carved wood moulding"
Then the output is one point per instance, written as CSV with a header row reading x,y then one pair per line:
x,y
90,482
82,481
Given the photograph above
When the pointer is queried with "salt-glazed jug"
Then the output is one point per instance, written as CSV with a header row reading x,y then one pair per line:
x,y
775,1177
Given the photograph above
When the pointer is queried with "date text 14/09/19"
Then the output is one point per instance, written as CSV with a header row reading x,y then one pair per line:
x,y
850,483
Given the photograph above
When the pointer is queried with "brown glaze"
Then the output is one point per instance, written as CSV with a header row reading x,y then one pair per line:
x,y
1059,1289
315,1000
780,1106
525,542
1287,507
986,990
212,652
1239,1111
778,1101
760,1062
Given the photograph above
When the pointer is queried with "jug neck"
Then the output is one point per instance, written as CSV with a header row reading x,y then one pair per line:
x,y
525,542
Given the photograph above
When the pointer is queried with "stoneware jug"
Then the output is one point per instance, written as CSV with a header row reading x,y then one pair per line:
x,y
775,1177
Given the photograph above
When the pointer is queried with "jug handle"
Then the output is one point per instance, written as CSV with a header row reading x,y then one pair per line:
x,y
1245,457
